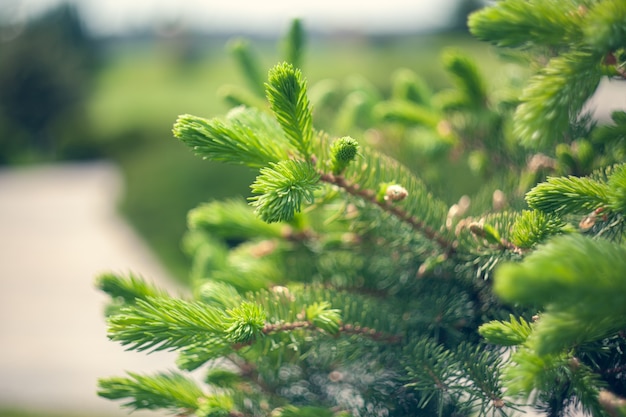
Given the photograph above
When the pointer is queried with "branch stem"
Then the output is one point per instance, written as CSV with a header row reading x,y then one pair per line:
x,y
347,329
370,196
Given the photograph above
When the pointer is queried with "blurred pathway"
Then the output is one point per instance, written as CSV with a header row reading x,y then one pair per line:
x,y
610,96
58,230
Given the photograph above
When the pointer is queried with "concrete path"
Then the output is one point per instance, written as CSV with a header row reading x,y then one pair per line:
x,y
610,96
58,231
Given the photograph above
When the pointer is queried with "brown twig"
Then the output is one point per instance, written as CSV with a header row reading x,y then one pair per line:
x,y
370,333
347,329
370,196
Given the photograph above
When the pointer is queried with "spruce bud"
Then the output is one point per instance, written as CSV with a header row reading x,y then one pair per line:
x,y
342,152
391,193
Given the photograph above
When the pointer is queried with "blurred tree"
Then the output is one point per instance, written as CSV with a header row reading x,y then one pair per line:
x,y
458,20
45,75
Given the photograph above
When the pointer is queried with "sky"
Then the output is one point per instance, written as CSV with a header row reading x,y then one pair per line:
x,y
110,17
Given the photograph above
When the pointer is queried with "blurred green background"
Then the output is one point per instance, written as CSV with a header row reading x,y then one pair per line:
x,y
67,96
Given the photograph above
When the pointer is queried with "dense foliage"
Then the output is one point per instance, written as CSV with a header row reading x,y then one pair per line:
x,y
343,287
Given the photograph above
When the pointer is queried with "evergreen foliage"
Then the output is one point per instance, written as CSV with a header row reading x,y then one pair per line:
x,y
286,92
345,288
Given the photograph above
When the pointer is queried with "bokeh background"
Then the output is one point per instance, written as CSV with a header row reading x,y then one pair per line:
x,y
92,180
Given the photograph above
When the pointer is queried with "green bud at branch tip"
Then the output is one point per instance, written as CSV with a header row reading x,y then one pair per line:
x,y
342,152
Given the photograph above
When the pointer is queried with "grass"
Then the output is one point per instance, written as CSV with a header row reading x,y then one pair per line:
x,y
142,90
146,90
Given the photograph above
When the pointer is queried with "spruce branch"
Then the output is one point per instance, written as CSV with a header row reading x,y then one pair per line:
x,y
307,411
249,64
286,91
467,77
540,376
368,302
169,391
293,44
370,333
600,196
246,137
586,387
245,323
330,322
286,327
358,314
300,308
579,259
202,332
223,378
129,289
483,386
605,25
519,23
195,355
388,206
529,372
231,219
506,333
247,267
322,316
346,329
256,263
612,134
369,178
486,242
533,227
165,323
491,236
616,195
431,370
568,195
409,86
580,283
406,112
554,97
281,189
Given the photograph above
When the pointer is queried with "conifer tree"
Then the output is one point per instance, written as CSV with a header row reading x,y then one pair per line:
x,y
354,291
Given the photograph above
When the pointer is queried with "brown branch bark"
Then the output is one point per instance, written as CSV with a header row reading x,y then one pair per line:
x,y
370,196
